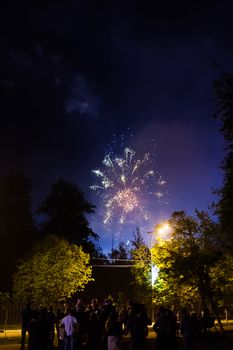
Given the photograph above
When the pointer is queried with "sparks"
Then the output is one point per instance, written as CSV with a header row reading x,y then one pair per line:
x,y
124,184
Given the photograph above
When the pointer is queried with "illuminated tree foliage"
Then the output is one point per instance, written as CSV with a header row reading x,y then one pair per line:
x,y
55,271
222,280
141,270
188,260
223,89
168,291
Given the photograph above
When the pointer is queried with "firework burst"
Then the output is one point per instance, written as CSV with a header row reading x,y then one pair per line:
x,y
125,184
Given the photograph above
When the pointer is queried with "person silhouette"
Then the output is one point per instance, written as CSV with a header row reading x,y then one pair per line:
x,y
25,319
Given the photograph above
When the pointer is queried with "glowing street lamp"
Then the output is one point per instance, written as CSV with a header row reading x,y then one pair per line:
x,y
163,230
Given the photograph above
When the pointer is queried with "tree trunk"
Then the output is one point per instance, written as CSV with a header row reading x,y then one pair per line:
x,y
216,312
205,291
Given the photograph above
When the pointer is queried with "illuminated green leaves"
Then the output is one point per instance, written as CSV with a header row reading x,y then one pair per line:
x,y
53,273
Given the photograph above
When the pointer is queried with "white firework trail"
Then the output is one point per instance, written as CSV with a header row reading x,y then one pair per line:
x,y
126,183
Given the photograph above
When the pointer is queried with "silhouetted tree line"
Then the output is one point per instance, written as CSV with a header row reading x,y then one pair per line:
x,y
63,214
223,90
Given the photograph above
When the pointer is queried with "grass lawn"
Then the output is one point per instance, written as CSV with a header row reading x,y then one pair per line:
x,y
9,337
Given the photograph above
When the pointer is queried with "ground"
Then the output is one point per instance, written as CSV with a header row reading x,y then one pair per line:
x,y
10,340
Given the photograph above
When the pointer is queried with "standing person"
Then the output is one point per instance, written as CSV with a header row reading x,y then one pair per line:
x,y
61,342
94,331
123,316
206,321
36,333
51,326
113,329
80,316
60,333
79,306
188,330
44,326
165,326
171,329
70,325
137,324
25,319
160,328
107,308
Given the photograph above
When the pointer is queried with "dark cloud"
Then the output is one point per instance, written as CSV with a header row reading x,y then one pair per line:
x,y
82,100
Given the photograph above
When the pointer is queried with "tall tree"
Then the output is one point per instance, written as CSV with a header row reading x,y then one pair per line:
x,y
141,270
169,291
54,272
17,229
65,210
223,89
120,253
191,255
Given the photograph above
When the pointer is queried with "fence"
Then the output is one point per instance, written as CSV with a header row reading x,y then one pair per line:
x,y
11,314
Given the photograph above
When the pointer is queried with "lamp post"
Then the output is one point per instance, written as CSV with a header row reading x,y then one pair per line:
x,y
161,232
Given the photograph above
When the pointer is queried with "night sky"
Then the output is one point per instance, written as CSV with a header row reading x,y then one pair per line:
x,y
75,73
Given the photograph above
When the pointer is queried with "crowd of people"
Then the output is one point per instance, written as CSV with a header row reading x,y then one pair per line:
x,y
92,327
188,325
102,326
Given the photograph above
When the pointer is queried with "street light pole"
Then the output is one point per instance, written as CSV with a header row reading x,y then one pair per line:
x,y
152,289
162,230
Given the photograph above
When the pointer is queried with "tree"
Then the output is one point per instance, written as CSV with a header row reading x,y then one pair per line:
x,y
5,298
65,209
169,291
17,229
222,280
120,253
53,273
191,255
223,90
141,270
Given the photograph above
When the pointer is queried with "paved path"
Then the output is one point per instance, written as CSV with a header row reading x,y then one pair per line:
x,y
10,347
213,343
150,341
